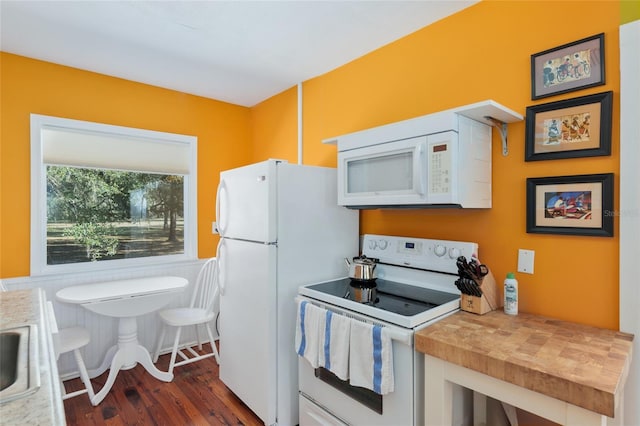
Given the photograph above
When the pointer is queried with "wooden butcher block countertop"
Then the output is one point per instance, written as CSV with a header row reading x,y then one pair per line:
x,y
582,365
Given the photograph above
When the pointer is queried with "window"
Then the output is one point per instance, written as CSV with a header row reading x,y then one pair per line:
x,y
106,196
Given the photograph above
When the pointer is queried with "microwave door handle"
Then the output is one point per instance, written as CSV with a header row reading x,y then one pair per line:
x,y
418,167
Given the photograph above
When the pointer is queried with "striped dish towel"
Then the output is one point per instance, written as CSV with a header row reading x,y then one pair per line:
x,y
371,358
307,338
334,344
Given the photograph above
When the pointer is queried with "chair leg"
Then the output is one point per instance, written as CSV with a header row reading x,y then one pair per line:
x,y
214,349
163,330
63,389
176,342
198,337
84,376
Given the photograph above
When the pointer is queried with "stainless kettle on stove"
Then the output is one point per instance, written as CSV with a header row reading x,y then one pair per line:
x,y
362,268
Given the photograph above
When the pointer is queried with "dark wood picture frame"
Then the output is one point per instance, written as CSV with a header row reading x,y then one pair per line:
x,y
571,128
569,67
571,205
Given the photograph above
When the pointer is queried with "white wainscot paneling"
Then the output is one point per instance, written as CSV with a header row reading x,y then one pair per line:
x,y
104,330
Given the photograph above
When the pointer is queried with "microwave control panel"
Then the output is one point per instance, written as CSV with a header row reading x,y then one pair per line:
x,y
440,173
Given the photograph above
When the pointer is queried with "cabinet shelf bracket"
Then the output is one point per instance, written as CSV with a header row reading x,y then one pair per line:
x,y
502,128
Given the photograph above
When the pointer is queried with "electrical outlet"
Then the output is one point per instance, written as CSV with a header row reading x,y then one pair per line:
x,y
525,261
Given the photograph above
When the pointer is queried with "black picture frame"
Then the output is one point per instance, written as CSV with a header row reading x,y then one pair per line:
x,y
571,128
572,66
571,205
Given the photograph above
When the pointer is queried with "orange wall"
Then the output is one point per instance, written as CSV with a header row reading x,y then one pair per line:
x,y
31,86
480,53
275,128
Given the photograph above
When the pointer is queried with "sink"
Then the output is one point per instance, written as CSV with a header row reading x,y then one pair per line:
x,y
19,362
9,348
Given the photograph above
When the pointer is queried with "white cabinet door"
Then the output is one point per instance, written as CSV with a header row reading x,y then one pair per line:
x,y
248,324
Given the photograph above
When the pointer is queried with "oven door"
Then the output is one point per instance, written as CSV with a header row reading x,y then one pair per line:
x,y
325,399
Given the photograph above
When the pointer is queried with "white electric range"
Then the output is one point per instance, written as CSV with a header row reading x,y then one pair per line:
x,y
415,287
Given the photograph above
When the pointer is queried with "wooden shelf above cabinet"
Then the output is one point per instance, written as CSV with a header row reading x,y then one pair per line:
x,y
481,110
493,114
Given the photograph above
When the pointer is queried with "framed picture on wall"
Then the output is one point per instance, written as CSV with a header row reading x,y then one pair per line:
x,y
578,127
571,205
569,67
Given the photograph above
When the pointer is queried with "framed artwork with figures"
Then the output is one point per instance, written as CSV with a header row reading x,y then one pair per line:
x,y
569,67
578,127
571,205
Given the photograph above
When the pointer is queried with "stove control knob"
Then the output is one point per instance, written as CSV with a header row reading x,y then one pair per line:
x,y
440,250
454,253
382,244
372,244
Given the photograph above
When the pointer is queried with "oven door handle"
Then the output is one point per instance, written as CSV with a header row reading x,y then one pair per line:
x,y
399,334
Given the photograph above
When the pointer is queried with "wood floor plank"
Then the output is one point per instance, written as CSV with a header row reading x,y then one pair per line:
x,y
199,390
195,397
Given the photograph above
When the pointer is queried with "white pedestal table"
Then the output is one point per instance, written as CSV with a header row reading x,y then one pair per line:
x,y
126,300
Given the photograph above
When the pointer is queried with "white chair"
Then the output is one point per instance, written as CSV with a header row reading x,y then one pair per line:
x,y
201,311
71,339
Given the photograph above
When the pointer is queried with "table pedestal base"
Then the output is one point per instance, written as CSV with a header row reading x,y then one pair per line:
x,y
124,356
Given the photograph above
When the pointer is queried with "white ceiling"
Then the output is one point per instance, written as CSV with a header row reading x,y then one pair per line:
x,y
241,52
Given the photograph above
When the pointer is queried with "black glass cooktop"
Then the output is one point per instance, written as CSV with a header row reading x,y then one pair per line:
x,y
403,299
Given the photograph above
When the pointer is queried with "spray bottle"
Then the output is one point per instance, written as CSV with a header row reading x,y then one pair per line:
x,y
511,295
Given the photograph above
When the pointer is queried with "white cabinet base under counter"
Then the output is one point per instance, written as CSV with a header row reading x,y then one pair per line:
x,y
568,373
443,376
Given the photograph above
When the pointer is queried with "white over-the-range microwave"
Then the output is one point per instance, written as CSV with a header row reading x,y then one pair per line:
x,y
437,160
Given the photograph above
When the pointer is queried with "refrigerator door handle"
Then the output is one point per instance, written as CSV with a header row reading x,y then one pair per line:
x,y
221,186
220,266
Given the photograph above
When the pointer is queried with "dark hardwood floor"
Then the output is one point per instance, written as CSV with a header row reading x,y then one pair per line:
x,y
196,396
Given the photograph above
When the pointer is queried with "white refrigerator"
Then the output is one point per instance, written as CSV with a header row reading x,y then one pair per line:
x,y
280,227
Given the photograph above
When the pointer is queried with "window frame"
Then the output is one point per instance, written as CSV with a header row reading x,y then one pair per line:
x,y
38,240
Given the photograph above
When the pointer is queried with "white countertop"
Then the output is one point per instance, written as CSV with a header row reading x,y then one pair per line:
x,y
43,407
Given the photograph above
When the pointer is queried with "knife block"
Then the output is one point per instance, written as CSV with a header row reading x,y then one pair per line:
x,y
490,300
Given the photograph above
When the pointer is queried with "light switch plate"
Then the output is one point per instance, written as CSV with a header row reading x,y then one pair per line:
x,y
525,261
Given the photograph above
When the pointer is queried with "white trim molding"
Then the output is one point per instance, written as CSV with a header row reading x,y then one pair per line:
x,y
629,213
